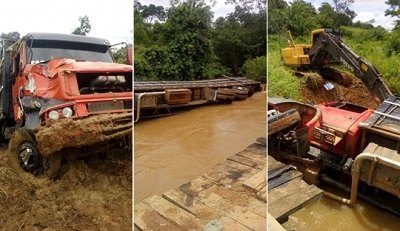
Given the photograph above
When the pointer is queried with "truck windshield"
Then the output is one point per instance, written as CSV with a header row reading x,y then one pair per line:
x,y
46,50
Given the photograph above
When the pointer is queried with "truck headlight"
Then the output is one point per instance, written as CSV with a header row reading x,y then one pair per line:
x,y
67,112
54,115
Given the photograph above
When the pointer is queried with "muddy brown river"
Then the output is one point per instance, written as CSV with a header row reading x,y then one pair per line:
x,y
173,150
327,214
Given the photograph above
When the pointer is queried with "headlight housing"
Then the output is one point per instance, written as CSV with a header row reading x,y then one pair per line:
x,y
67,112
54,115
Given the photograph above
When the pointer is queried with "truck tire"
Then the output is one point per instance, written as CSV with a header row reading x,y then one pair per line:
x,y
23,146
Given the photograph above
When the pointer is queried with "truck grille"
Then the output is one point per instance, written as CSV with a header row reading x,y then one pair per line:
x,y
106,106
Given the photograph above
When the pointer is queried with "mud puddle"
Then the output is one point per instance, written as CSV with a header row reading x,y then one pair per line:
x,y
94,193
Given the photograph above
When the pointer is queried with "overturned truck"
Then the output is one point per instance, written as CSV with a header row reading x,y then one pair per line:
x,y
58,93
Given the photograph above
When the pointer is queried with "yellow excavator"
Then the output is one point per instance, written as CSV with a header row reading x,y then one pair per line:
x,y
327,48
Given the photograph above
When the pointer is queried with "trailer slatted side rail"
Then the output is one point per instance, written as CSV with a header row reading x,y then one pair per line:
x,y
212,83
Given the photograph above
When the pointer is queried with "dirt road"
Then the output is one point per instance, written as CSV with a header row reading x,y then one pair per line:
x,y
91,194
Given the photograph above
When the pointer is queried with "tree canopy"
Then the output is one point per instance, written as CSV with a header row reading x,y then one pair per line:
x,y
84,26
301,17
186,44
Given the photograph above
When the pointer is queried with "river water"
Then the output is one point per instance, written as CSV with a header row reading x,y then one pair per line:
x,y
327,214
173,150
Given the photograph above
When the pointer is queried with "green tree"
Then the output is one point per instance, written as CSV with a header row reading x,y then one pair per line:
x,y
249,5
238,37
301,18
256,68
187,32
84,27
326,16
393,11
178,49
12,36
152,12
276,16
344,16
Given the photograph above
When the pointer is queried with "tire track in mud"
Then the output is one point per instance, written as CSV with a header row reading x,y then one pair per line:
x,y
91,194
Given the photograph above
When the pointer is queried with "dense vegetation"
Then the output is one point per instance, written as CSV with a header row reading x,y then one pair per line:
x,y
183,42
375,44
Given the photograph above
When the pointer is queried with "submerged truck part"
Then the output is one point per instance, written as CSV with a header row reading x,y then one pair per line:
x,y
139,105
354,130
389,183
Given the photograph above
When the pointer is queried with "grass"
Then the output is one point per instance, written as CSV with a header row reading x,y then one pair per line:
x,y
281,82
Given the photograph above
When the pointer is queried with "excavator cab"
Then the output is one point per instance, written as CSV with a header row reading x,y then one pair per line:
x,y
297,55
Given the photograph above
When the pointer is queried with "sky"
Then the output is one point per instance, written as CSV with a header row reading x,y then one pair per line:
x,y
366,10
111,20
220,9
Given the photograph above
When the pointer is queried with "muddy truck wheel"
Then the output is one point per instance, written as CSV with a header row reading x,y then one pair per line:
x,y
25,157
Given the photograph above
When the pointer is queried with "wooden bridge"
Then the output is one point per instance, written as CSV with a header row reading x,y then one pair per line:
x,y
231,196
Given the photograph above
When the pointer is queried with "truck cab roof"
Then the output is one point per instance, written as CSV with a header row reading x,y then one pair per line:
x,y
65,37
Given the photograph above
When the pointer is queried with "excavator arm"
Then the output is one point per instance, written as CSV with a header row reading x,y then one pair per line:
x,y
328,47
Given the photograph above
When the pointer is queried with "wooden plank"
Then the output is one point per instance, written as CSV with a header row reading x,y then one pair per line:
x,y
195,186
254,156
262,194
238,166
257,205
224,174
203,212
173,213
246,171
283,178
238,213
274,164
288,198
232,225
190,204
257,181
273,225
247,161
148,219
257,148
223,198
247,218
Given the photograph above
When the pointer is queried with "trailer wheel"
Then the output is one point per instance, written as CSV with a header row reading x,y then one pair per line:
x,y
25,157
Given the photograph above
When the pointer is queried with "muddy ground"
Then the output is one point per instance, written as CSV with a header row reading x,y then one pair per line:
x,y
356,93
94,193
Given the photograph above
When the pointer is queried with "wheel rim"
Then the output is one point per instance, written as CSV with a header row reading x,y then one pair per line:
x,y
29,158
